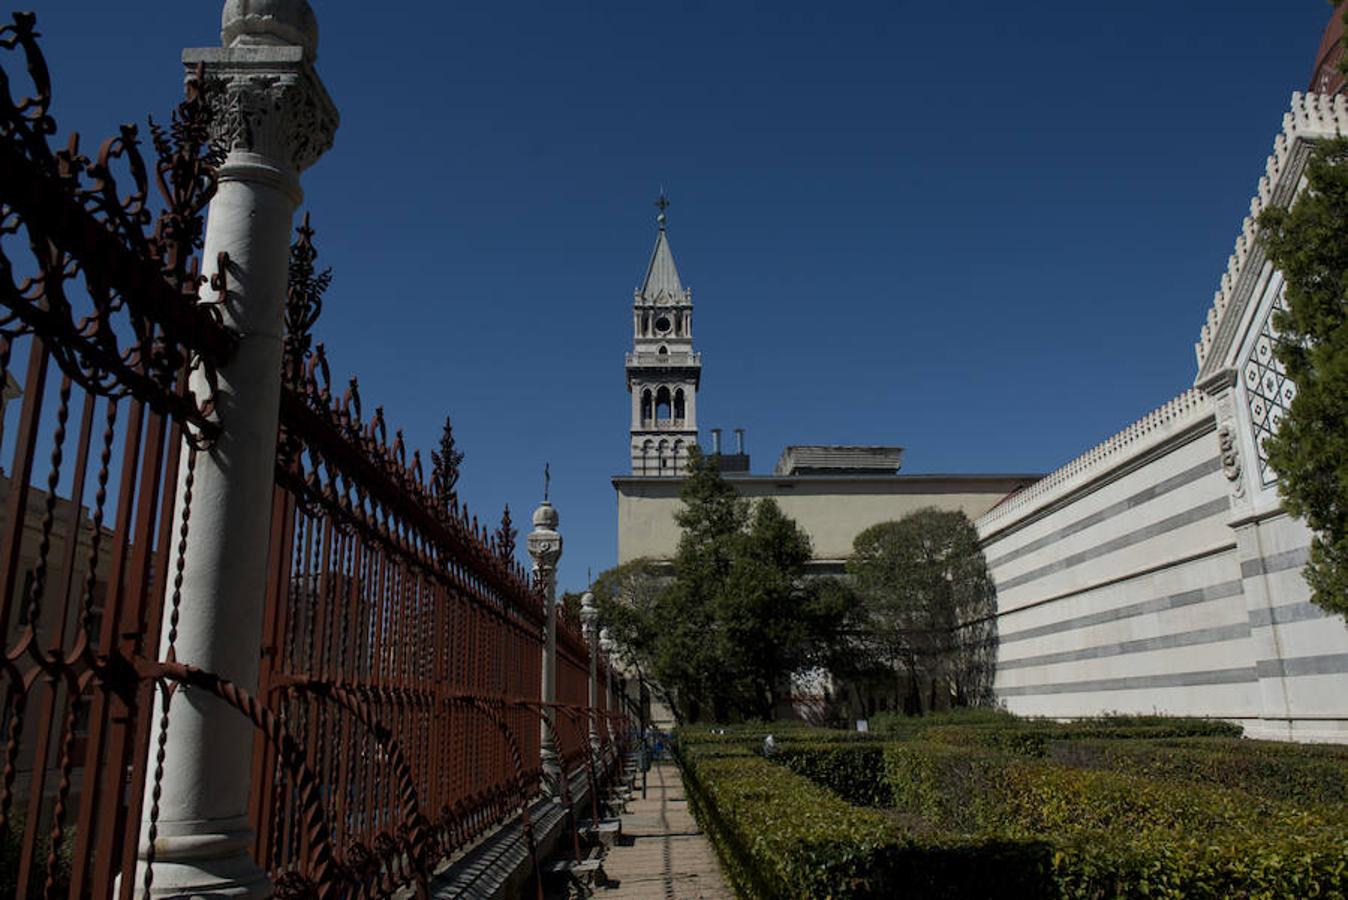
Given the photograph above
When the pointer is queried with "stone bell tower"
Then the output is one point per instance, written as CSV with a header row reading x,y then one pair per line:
x,y
663,372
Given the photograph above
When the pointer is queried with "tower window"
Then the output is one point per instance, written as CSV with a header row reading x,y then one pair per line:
x,y
662,325
647,407
678,404
663,351
662,405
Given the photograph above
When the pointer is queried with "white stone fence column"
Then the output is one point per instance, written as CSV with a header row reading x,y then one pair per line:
x,y
276,119
589,622
545,549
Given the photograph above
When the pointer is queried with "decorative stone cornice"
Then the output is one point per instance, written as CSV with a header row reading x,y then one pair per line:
x,y
272,103
1312,117
1186,409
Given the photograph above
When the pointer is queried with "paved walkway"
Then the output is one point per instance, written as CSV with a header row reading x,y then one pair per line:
x,y
662,853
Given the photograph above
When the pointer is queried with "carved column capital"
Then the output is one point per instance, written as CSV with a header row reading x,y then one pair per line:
x,y
272,103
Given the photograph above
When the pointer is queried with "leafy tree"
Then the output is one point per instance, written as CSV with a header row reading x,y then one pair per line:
x,y
927,605
721,637
628,597
775,621
1310,450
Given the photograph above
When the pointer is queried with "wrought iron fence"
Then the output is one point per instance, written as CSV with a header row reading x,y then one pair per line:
x,y
398,704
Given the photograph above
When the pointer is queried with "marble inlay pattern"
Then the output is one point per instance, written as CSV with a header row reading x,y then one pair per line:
x,y
1267,389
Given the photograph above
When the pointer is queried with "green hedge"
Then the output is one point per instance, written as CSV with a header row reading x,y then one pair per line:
x,y
854,771
780,835
1307,778
996,728
1118,835
1034,738
897,725
752,734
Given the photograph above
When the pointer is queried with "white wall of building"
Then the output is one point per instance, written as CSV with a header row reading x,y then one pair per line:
x,y
1158,571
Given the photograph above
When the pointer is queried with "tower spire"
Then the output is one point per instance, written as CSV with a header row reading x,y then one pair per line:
x,y
663,371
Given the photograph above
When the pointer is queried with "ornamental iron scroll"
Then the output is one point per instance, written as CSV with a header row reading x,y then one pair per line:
x,y
95,281
304,302
116,301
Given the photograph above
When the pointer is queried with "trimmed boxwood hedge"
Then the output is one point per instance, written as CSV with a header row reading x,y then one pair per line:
x,y
1034,738
752,734
1303,775
780,835
1119,835
992,806
997,728
854,771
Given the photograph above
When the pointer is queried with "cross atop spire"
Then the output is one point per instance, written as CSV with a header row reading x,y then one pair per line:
x,y
662,204
662,278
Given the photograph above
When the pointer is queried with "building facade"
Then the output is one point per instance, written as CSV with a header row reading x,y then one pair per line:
x,y
1159,571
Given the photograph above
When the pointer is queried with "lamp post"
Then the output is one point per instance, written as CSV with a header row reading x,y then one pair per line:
x,y
545,549
607,646
589,620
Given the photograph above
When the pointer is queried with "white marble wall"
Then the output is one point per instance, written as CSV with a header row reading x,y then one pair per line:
x,y
1137,586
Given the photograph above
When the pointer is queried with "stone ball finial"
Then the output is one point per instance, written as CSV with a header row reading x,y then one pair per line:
x,y
546,516
270,22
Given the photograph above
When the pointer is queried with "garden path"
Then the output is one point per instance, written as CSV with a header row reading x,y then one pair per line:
x,y
662,852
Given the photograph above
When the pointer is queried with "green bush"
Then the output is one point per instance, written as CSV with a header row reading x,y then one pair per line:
x,y
1118,835
1304,775
1030,737
853,770
780,835
752,734
897,725
942,785
998,728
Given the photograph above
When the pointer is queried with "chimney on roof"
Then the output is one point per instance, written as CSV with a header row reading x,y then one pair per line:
x,y
739,441
716,442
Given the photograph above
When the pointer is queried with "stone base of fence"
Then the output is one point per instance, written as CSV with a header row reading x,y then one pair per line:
x,y
499,865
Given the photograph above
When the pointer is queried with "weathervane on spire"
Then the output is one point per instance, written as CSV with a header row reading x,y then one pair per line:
x,y
547,481
662,204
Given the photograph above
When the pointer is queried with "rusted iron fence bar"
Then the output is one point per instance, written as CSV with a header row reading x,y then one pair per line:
x,y
398,705
93,281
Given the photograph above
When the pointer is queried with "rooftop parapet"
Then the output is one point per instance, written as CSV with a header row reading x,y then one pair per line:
x,y
1312,117
817,459
1186,409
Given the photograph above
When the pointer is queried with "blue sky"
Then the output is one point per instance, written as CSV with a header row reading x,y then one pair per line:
x,y
988,232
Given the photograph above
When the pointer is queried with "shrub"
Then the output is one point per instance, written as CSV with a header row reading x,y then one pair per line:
x,y
1304,775
1118,835
780,835
900,726
1032,737
753,733
853,770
